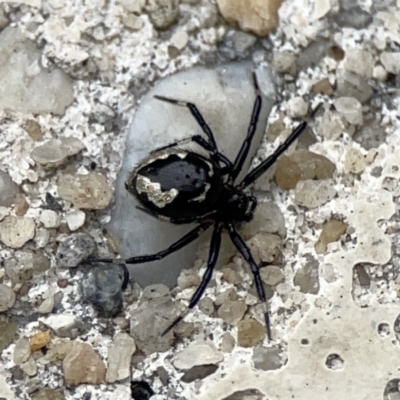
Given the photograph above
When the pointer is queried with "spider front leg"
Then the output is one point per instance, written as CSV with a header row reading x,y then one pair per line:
x,y
248,257
212,260
182,242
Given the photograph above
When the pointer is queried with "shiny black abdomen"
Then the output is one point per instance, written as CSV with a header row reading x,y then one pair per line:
x,y
177,185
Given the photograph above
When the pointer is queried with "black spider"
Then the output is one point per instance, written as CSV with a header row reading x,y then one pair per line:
x,y
181,186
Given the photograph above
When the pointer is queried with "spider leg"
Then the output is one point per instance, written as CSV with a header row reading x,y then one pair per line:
x,y
215,154
244,150
215,245
253,175
246,253
182,242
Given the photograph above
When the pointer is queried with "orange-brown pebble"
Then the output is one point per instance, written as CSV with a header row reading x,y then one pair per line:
x,y
40,340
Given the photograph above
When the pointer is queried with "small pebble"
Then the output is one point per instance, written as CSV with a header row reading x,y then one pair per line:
x,y
272,275
89,191
267,358
360,62
198,372
133,22
227,342
75,249
188,278
242,41
16,231
48,394
83,365
50,219
33,129
7,297
354,161
197,353
350,108
21,205
8,190
163,13
266,248
232,312
75,219
331,232
8,330
313,194
250,333
256,16
302,165
206,306
322,87
391,62
22,351
284,62
307,277
297,107
40,340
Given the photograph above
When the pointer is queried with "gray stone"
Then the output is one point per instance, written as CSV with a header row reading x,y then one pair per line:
x,y
351,15
197,353
307,277
149,320
232,311
75,249
7,297
64,325
198,372
272,275
8,190
206,305
154,291
7,333
313,194
22,351
243,41
163,13
24,85
350,108
352,85
391,62
224,96
267,358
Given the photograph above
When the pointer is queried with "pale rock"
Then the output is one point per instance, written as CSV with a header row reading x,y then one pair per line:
x,y
232,312
89,191
48,394
284,62
3,212
197,353
7,297
272,275
6,392
354,161
22,351
313,194
24,85
29,367
350,108
31,3
352,85
266,248
50,219
16,231
180,39
321,8
297,107
119,357
8,190
206,306
257,16
48,303
331,231
267,358
155,291
42,237
62,324
56,151
391,62
227,342
83,365
225,296
133,22
134,6
307,277
331,126
380,73
75,219
242,41
360,62
188,278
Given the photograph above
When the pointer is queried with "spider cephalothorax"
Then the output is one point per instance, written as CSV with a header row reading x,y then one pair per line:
x,y
183,186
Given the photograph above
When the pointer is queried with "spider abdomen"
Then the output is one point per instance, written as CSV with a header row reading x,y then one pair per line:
x,y
176,184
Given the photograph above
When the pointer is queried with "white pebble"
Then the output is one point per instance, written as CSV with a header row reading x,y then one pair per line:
x,y
75,219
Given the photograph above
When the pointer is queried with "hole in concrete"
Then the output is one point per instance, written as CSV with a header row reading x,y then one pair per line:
x,y
384,329
305,342
334,361
391,391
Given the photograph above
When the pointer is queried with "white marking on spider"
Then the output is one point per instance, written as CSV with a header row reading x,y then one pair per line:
x,y
154,193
